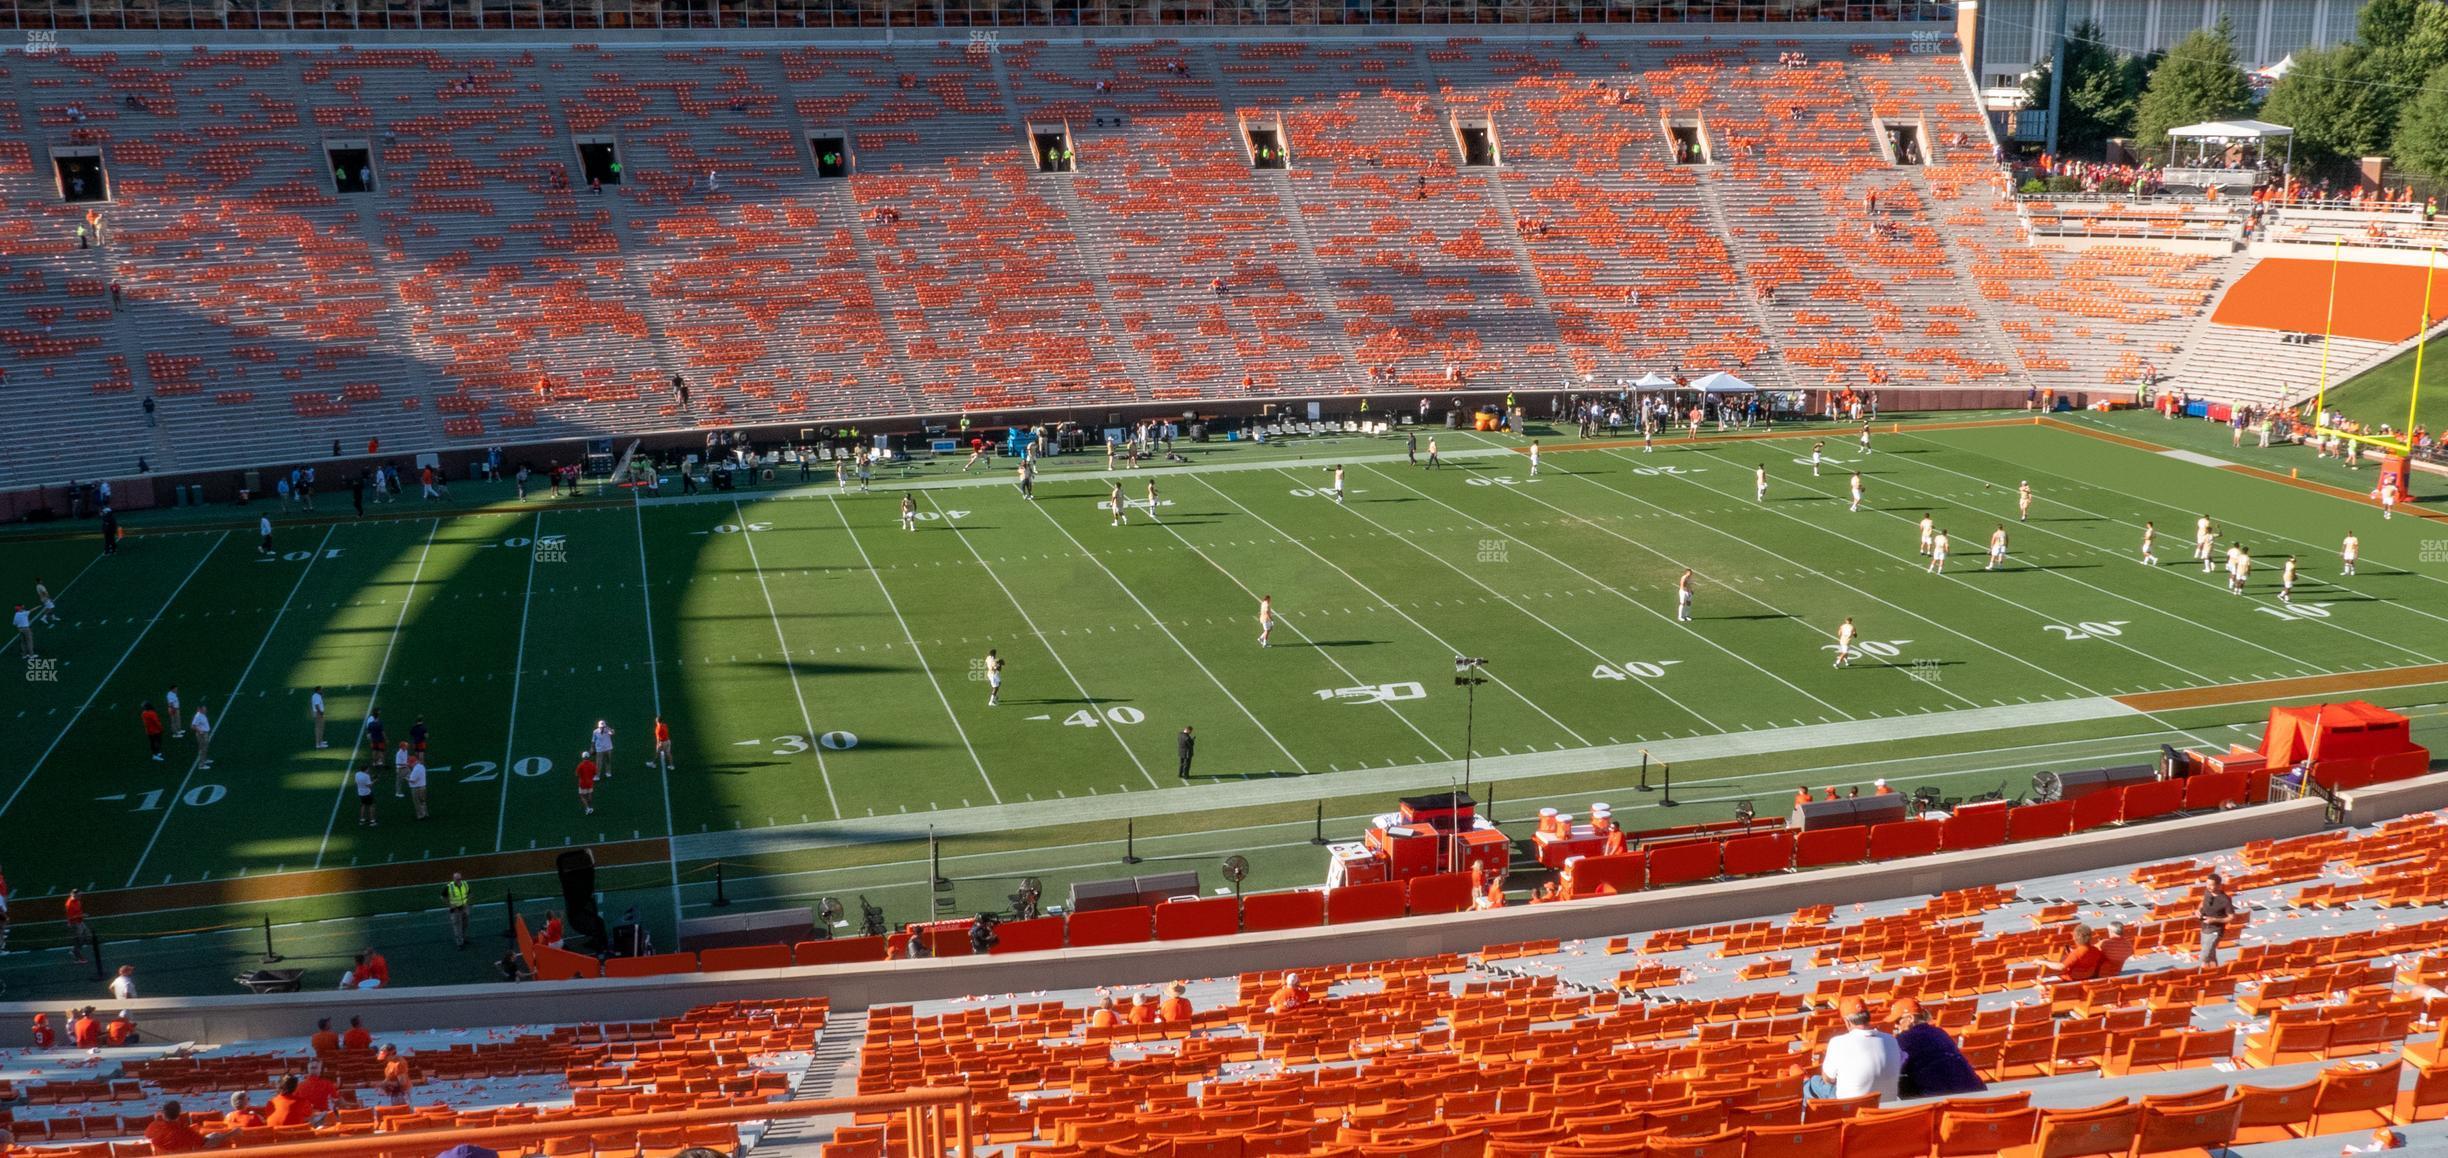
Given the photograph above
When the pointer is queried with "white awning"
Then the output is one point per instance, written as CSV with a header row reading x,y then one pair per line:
x,y
1723,383
2231,131
1654,381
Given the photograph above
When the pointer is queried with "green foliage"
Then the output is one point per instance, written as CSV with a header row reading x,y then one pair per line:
x,y
2342,102
2198,81
2033,187
2422,128
2101,92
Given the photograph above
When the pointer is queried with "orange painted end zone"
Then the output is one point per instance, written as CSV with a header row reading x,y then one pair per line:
x,y
2302,687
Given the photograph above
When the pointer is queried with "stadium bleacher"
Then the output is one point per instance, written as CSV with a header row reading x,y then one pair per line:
x,y
2322,1018
480,293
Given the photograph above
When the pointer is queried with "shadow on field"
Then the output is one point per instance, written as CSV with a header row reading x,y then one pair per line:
x,y
1761,615
1338,643
2052,567
820,667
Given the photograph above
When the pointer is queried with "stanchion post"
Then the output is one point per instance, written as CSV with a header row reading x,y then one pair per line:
x,y
721,900
510,915
1666,772
1644,775
269,957
1130,841
1319,836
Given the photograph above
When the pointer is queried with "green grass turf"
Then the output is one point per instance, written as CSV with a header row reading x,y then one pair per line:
x,y
816,662
2382,393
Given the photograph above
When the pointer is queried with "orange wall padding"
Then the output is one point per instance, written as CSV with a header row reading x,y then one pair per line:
x,y
2040,821
1977,829
1305,909
1904,838
1831,846
1676,864
1111,926
1441,893
2099,809
552,964
1767,852
1373,902
838,951
744,957
651,965
1034,935
2376,302
1206,917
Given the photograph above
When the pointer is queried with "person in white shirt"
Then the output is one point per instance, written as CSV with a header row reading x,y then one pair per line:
x,y
263,526
202,727
1997,548
2204,536
603,749
2286,581
1338,483
1759,484
50,610
23,621
1266,619
1857,492
1938,553
178,723
2150,534
399,770
123,986
314,703
2348,551
1860,1061
1683,597
2388,497
1844,642
416,784
1928,531
1534,460
363,779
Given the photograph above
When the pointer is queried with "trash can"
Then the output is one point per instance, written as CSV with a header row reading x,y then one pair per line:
x,y
1453,418
1198,432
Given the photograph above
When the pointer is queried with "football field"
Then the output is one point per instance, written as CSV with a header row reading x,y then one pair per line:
x,y
823,670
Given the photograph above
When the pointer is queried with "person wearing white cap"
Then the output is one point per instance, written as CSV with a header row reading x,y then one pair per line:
x,y
1880,788
603,749
1292,996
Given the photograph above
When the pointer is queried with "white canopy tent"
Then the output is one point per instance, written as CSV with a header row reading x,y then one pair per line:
x,y
1723,383
1654,381
2209,143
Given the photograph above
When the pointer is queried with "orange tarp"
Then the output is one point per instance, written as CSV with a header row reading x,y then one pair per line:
x,y
2376,302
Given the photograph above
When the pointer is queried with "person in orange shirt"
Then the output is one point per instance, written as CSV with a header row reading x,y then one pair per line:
x,y
375,967
1104,1017
1802,796
44,1036
1831,793
170,1134
1614,845
152,729
314,1091
551,936
120,1031
1176,1007
1882,789
72,913
242,1114
85,1032
662,738
324,1043
356,1039
287,1108
1293,995
397,1085
1143,1010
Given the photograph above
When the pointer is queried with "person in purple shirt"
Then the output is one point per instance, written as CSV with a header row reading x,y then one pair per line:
x,y
1933,1066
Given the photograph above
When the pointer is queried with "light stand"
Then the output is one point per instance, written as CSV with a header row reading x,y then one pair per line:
x,y
1467,677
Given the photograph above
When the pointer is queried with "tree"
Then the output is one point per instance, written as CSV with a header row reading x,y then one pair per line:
x,y
2198,81
2422,128
2342,103
2101,92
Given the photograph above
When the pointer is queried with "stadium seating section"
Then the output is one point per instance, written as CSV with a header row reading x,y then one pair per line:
x,y
2322,1019
480,293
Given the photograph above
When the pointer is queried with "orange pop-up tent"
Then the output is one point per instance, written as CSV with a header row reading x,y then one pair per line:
x,y
2348,745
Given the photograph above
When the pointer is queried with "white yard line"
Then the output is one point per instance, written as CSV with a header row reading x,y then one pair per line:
x,y
1289,623
1650,686
1093,704
1158,620
789,666
1394,607
60,594
912,640
1618,592
518,674
107,676
2328,552
348,768
229,702
654,682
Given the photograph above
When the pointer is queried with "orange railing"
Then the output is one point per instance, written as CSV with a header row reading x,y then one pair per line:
x,y
935,1122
